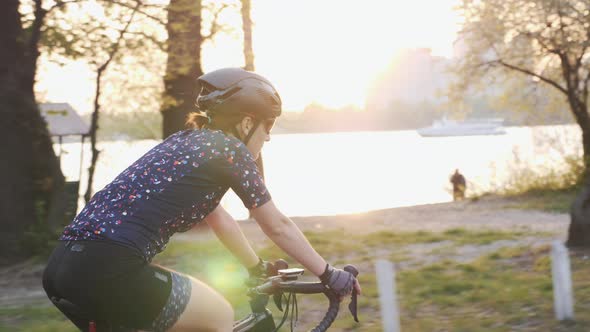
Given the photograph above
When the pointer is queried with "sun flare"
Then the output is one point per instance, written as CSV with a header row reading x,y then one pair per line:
x,y
330,51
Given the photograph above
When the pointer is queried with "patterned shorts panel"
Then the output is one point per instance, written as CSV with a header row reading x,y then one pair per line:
x,y
179,297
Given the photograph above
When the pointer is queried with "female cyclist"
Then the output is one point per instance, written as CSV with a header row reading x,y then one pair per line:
x,y
102,264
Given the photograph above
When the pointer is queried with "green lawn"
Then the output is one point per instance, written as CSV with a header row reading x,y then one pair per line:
x,y
509,289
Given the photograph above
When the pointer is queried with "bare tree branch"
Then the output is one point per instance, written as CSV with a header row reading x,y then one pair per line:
x,y
160,44
39,13
142,12
537,37
33,49
215,26
580,57
122,32
531,73
585,87
94,119
561,26
62,3
572,7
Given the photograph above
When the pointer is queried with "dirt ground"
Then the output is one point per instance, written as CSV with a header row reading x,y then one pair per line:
x,y
487,213
21,284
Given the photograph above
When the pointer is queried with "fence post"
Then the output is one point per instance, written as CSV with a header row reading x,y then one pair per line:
x,y
562,282
387,296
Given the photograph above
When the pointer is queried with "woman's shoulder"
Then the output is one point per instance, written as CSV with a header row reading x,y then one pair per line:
x,y
224,141
228,146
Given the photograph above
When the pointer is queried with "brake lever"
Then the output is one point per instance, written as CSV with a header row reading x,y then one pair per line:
x,y
352,306
278,299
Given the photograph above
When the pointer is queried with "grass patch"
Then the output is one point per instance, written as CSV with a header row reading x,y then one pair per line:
x,y
335,244
35,319
458,235
490,294
558,201
509,289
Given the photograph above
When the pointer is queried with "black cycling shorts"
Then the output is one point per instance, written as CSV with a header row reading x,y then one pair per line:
x,y
113,284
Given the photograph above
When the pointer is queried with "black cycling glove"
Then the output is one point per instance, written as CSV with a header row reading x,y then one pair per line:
x,y
260,270
339,281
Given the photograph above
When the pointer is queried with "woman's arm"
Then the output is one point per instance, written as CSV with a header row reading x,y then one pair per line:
x,y
230,234
282,231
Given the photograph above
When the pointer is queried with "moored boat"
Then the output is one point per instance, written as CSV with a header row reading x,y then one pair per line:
x,y
445,127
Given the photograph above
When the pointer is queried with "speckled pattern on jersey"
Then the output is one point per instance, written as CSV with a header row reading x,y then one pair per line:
x,y
169,189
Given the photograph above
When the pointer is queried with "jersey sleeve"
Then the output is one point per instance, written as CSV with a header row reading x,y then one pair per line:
x,y
237,169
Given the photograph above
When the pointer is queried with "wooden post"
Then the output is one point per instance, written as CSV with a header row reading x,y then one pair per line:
x,y
61,149
562,282
387,296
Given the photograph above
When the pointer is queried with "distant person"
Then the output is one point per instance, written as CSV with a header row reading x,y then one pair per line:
x,y
459,185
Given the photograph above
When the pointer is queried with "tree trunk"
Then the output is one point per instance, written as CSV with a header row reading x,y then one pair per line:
x,y
93,133
17,209
184,63
247,28
579,230
249,55
30,176
94,123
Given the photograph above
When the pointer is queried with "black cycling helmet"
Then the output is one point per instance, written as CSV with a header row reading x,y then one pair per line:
x,y
235,90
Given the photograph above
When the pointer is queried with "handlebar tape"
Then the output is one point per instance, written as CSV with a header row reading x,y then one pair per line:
x,y
330,315
303,287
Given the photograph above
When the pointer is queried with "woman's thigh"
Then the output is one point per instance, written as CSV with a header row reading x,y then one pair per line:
x,y
207,310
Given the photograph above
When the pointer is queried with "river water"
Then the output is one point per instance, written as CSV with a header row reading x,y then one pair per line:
x,y
335,173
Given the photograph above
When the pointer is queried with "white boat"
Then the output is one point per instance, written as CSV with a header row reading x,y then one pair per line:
x,y
445,127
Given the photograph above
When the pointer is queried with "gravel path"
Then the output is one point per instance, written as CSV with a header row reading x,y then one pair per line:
x,y
485,214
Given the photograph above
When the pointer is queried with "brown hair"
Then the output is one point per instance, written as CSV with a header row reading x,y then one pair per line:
x,y
225,122
196,120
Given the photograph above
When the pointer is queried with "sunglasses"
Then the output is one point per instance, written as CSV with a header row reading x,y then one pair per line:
x,y
268,124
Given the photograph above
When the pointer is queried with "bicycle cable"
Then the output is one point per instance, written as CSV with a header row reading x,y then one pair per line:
x,y
294,309
292,305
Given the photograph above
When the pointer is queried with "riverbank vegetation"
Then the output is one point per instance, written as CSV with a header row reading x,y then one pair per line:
x,y
540,188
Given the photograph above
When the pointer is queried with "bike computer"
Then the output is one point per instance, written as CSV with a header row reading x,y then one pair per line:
x,y
291,272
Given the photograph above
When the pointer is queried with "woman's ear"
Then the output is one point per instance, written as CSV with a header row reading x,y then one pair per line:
x,y
246,125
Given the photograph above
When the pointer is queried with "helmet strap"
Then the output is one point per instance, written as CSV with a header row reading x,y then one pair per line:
x,y
236,133
256,124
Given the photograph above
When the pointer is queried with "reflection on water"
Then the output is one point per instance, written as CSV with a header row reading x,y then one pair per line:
x,y
334,173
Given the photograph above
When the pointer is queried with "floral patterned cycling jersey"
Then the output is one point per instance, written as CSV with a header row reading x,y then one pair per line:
x,y
171,188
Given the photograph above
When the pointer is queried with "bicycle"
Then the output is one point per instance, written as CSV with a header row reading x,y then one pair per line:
x,y
283,280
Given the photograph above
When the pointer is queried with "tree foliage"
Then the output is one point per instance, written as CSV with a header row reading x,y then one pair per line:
x,y
547,42
60,30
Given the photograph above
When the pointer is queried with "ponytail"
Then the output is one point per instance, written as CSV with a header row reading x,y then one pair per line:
x,y
196,120
224,122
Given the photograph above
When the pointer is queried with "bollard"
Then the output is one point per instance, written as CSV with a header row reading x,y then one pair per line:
x,y
562,282
387,296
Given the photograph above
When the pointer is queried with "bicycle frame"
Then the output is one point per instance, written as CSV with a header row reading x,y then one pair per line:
x,y
256,322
